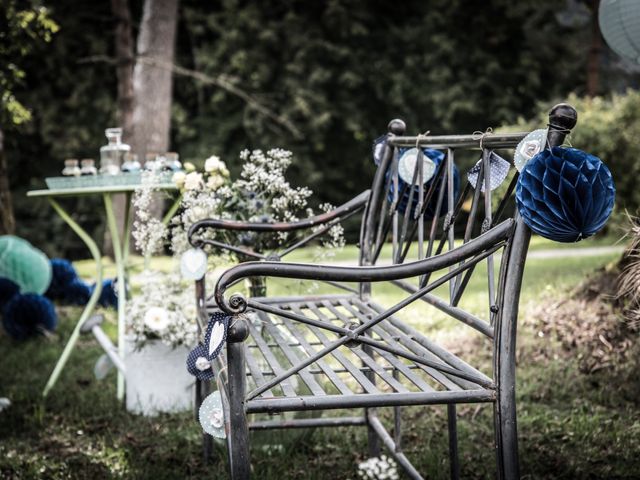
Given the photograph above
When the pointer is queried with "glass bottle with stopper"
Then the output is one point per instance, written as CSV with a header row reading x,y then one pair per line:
x,y
88,167
151,162
172,162
112,154
71,168
131,163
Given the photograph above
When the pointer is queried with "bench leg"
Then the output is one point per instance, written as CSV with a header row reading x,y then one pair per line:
x,y
506,436
238,436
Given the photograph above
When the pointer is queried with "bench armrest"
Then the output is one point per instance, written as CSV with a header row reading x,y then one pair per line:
x,y
339,212
301,271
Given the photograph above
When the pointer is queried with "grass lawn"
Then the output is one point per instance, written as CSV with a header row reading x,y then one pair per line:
x,y
570,425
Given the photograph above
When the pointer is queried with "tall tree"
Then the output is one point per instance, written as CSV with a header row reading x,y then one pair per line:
x,y
124,60
153,77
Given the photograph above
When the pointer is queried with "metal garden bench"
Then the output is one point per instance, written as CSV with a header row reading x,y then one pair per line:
x,y
347,351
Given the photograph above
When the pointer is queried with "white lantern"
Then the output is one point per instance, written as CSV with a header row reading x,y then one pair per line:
x,y
620,25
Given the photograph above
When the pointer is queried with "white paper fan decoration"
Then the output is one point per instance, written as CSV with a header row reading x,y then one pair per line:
x,y
529,147
211,416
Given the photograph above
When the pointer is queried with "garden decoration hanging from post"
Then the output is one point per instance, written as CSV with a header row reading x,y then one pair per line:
x,y
347,350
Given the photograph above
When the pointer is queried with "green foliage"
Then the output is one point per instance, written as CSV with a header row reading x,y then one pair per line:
x,y
22,28
341,70
337,70
608,127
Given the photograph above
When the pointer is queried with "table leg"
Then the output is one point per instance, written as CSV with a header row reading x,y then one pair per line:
x,y
95,253
117,244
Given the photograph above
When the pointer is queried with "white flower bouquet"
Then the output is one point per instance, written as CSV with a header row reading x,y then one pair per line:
x,y
261,194
164,310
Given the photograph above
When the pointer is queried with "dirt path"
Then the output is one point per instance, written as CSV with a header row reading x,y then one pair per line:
x,y
575,252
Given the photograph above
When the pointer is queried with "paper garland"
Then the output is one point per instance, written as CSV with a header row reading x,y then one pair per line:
x,y
565,194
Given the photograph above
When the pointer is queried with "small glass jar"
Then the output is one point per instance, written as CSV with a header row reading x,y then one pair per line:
x,y
131,163
162,162
173,161
151,162
88,167
112,154
71,168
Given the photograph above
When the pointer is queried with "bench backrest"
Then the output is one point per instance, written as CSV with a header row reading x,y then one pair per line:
x,y
422,219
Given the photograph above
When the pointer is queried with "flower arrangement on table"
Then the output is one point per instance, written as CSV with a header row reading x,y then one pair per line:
x,y
165,307
260,194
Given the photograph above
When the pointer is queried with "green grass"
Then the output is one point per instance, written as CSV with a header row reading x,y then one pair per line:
x,y
571,426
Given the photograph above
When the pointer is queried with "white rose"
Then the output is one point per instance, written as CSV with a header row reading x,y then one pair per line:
x,y
193,181
189,167
212,164
197,213
178,178
156,319
214,182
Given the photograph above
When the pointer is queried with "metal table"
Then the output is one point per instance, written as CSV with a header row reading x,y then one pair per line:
x,y
121,256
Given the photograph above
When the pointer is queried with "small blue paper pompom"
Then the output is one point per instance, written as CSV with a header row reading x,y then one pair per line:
x,y
77,292
24,314
7,290
437,157
63,274
565,194
108,296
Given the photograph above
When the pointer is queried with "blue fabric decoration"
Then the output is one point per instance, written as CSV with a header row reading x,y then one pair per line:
x,y
108,295
24,314
216,334
7,290
77,292
565,194
378,146
199,365
437,157
63,274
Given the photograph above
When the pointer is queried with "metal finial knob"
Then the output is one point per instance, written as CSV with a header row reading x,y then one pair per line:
x,y
563,116
397,126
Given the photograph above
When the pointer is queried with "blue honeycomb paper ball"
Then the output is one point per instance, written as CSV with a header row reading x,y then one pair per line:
x,y
63,274
24,314
565,194
108,296
437,157
77,292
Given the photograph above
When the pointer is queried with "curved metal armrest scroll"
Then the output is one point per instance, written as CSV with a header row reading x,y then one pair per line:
x,y
339,212
300,271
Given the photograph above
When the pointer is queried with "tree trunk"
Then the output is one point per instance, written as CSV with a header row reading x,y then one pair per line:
x,y
593,59
124,68
7,220
153,80
124,49
152,77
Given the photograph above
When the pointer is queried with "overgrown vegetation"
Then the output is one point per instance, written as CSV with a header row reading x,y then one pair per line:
x,y
572,424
